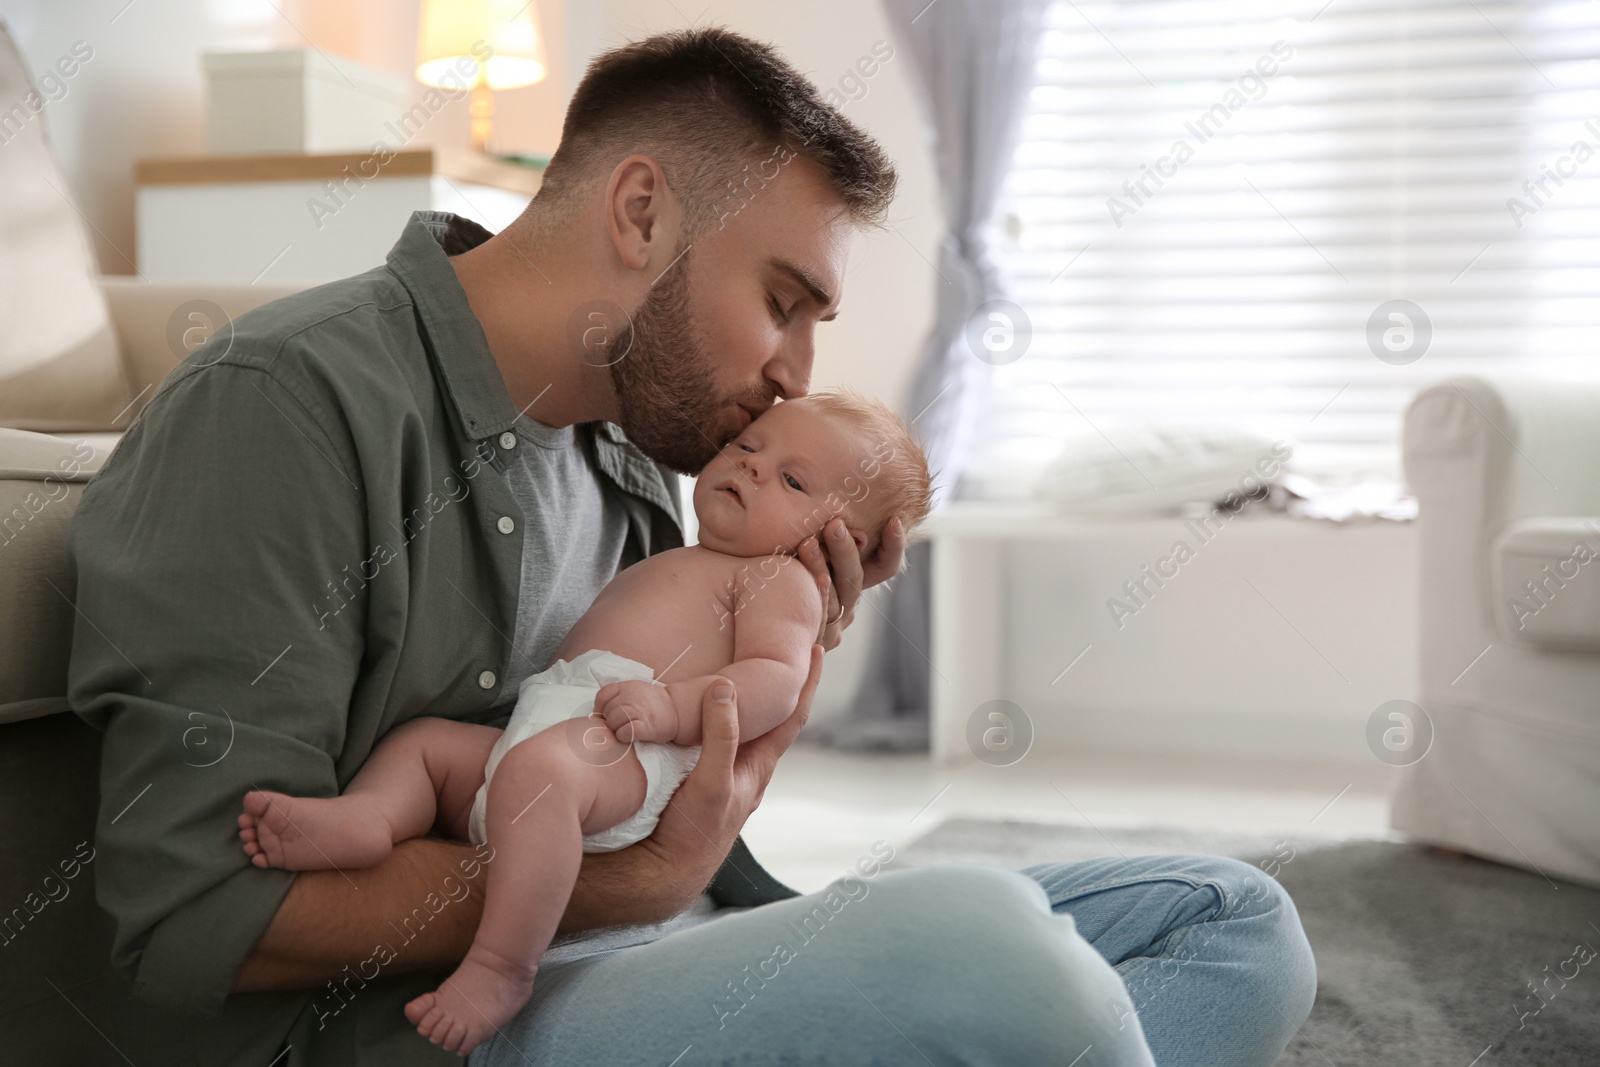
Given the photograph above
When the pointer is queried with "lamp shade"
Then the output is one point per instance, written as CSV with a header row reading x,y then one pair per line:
x,y
454,35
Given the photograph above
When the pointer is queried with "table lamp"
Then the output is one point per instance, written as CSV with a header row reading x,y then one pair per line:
x,y
447,35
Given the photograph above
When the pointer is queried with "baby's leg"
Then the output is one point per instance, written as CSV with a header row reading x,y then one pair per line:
x,y
542,800
423,771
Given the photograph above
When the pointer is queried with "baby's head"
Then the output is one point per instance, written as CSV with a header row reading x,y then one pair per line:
x,y
788,473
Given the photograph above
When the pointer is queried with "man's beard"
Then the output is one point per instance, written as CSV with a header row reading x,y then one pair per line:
x,y
666,392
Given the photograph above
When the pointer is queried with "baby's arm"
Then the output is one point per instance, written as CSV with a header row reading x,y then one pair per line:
x,y
774,627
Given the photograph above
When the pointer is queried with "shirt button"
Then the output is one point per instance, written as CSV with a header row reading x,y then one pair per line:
x,y
508,440
486,680
505,524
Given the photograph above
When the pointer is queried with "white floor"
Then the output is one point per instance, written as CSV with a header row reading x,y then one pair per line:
x,y
825,809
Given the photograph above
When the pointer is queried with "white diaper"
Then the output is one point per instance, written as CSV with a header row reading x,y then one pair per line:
x,y
566,691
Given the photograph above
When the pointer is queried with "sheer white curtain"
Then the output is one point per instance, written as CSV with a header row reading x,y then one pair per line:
x,y
1210,200
974,64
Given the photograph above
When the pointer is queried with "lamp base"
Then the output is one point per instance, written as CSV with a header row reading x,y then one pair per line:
x,y
482,107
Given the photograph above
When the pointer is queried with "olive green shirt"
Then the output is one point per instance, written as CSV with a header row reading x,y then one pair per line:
x,y
305,539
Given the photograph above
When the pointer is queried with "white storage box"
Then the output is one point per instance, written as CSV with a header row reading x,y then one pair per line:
x,y
298,101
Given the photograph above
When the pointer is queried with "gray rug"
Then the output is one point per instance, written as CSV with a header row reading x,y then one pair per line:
x,y
1423,960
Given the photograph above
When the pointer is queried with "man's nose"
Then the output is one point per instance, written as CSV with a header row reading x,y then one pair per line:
x,y
790,370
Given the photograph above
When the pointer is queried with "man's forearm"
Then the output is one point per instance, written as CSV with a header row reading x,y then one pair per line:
x,y
637,884
424,902
331,919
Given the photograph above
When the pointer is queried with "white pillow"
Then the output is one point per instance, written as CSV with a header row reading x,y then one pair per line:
x,y
1158,467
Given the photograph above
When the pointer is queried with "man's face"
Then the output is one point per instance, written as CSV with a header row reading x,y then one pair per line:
x,y
730,326
779,481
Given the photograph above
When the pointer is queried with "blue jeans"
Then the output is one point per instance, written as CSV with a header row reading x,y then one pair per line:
x,y
1169,960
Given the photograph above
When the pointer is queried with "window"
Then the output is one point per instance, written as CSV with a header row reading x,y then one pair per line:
x,y
1210,202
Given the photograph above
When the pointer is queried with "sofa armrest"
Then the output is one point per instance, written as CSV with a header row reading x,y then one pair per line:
x,y
41,480
1481,455
1526,447
155,323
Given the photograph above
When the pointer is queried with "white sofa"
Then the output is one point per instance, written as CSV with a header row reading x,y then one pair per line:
x,y
1507,475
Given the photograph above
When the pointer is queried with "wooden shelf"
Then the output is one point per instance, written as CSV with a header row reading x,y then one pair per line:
x,y
447,163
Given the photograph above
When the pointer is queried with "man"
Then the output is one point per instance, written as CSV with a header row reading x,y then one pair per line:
x,y
390,496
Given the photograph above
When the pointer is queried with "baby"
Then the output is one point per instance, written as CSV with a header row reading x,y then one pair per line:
x,y
625,688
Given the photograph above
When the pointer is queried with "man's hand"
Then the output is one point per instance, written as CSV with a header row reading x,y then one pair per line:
x,y
638,710
663,874
841,589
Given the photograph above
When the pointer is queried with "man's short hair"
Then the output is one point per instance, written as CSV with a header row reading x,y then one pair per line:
x,y
720,113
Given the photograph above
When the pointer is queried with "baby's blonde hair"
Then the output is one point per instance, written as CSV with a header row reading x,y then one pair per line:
x,y
895,470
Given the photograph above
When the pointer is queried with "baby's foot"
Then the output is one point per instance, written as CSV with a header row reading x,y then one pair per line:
x,y
311,833
482,996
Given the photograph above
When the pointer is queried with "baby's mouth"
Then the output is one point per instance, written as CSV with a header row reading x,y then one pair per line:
x,y
732,490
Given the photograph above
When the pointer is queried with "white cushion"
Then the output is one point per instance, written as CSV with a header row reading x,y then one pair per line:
x,y
59,365
1547,572
1159,467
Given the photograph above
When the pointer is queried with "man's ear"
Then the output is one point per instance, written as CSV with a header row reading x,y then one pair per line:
x,y
642,215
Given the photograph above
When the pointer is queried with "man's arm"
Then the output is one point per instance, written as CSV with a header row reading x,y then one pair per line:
x,y
325,921
329,919
199,550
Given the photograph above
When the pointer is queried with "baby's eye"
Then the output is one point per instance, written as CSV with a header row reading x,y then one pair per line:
x,y
792,483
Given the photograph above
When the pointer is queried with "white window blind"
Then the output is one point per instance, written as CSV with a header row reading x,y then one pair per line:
x,y
1384,158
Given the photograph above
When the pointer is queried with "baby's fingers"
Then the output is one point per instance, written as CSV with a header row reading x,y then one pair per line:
x,y
604,696
620,717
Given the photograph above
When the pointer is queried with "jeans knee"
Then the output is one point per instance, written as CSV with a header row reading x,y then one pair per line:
x,y
1269,917
984,963
1296,964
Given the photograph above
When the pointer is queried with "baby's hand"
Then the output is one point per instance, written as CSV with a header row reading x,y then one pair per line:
x,y
638,711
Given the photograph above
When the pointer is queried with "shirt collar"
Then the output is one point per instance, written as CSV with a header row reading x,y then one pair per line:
x,y
420,259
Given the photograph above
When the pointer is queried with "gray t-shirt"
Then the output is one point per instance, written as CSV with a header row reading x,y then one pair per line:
x,y
573,536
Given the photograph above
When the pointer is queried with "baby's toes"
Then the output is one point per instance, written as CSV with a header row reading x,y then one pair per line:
x,y
418,1007
435,1025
